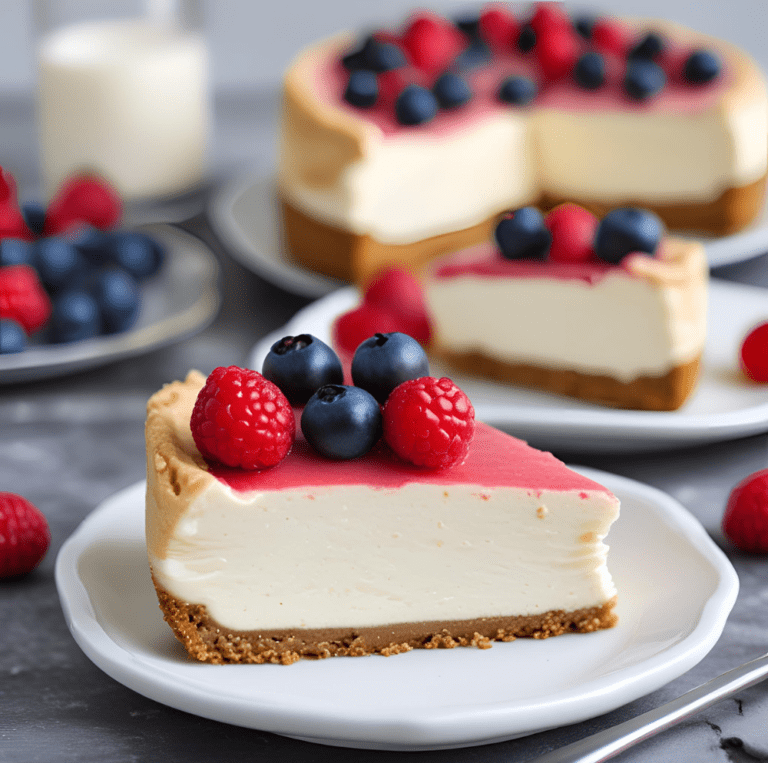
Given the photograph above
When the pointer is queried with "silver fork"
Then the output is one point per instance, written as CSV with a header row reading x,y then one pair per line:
x,y
606,744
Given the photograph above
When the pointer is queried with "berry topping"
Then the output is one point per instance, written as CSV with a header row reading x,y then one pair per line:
x,y
354,327
83,199
753,356
584,25
431,43
526,42
380,56
522,235
243,420
573,233
557,50
341,422
518,91
643,79
651,45
589,71
22,297
626,230
24,536
429,422
701,66
362,89
398,292
16,251
611,37
499,28
415,105
475,55
451,91
75,316
300,365
745,521
549,16
383,361
34,216
13,338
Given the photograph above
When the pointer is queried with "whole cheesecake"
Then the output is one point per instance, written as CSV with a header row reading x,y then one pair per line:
x,y
410,142
318,558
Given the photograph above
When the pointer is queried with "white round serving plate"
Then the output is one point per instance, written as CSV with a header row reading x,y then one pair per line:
x,y
182,299
676,589
724,406
245,217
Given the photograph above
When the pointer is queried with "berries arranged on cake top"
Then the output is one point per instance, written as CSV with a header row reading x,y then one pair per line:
x,y
626,230
240,419
522,235
300,365
384,361
24,536
753,354
745,521
341,422
429,422
400,293
396,71
75,258
573,233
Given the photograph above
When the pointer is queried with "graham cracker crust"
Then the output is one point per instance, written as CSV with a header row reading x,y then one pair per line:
x,y
350,257
206,641
651,393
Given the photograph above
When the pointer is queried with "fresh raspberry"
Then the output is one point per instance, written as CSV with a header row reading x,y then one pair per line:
x,y
23,298
499,28
83,199
24,536
242,419
355,326
557,50
429,422
12,223
754,353
573,233
609,36
394,81
549,16
399,292
431,43
745,521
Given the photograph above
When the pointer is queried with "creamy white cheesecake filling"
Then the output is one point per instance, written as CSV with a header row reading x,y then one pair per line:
x,y
413,185
622,326
358,556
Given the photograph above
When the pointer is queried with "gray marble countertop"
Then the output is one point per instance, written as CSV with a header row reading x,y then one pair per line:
x,y
68,444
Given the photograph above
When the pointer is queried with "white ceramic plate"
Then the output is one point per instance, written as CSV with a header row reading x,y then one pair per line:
x,y
179,301
725,405
425,699
245,217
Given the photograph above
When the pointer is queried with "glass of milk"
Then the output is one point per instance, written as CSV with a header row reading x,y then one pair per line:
x,y
123,92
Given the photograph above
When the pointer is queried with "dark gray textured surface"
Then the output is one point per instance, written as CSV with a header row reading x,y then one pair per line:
x,y
68,444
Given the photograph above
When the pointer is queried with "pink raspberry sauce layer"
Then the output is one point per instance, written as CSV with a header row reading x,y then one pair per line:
x,y
495,460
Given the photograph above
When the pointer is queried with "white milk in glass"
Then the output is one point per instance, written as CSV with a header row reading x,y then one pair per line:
x,y
125,98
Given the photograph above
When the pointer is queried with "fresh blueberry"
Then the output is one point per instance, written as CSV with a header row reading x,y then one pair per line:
x,y
626,230
469,23
139,254
379,56
362,89
652,45
451,91
585,24
12,337
589,71
341,422
518,91
522,235
643,79
118,297
92,242
701,66
384,361
75,316
34,216
58,262
15,251
300,365
476,54
353,60
526,42
415,106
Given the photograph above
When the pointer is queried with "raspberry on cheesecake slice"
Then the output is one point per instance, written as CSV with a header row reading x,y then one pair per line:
x,y
378,530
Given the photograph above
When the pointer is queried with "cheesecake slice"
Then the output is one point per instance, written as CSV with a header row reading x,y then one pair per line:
x,y
319,558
